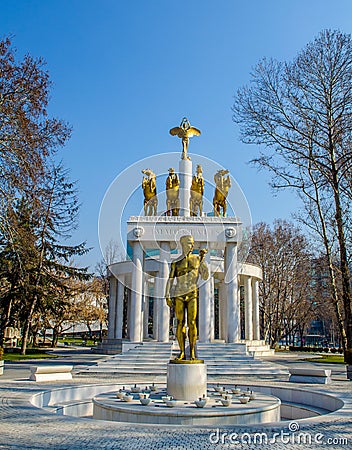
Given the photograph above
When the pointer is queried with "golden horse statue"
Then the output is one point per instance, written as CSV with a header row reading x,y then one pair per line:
x,y
172,193
149,190
197,191
223,185
185,131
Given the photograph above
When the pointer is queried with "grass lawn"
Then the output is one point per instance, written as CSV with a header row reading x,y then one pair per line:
x,y
77,341
31,353
328,359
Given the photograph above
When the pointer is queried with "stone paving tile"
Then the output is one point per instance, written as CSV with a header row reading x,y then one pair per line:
x,y
23,426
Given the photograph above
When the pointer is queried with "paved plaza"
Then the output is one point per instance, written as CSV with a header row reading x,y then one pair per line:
x,y
23,426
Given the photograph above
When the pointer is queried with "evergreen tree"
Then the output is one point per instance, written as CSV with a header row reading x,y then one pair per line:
x,y
38,202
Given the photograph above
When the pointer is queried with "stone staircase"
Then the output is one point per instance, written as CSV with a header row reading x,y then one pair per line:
x,y
146,358
258,348
235,360
152,358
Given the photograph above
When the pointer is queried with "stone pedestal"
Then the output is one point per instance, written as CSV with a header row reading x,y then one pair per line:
x,y
186,381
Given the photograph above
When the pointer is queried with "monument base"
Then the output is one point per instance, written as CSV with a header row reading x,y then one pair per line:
x,y
187,382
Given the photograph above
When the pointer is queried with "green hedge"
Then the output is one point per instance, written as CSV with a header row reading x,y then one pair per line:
x,y
315,349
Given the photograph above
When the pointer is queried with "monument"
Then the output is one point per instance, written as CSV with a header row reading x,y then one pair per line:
x,y
186,382
183,258
138,309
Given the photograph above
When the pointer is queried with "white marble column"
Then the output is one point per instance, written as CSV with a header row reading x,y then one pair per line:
x,y
222,311
204,315
145,309
212,308
155,310
112,306
164,310
255,294
248,308
231,282
128,331
185,174
119,308
136,294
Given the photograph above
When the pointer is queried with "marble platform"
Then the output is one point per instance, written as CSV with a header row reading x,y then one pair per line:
x,y
265,408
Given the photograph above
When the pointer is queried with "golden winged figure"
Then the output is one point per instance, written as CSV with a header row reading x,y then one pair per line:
x,y
185,131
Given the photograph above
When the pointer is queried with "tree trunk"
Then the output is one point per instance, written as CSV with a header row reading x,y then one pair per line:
x,y
345,271
55,337
346,283
89,328
25,334
333,284
35,338
27,326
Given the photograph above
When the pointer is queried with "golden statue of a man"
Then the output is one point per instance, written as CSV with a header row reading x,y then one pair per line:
x,y
186,271
197,191
185,131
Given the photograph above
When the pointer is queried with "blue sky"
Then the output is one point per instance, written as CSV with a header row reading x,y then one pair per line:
x,y
125,72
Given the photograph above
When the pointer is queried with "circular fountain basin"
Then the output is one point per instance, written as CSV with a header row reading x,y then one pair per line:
x,y
297,403
263,409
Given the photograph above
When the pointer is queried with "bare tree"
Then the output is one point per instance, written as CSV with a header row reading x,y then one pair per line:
x,y
285,292
302,112
112,254
90,303
318,217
